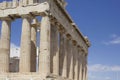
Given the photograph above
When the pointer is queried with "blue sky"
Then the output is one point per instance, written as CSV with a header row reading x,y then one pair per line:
x,y
100,21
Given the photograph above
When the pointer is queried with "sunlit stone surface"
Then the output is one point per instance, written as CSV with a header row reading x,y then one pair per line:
x,y
63,50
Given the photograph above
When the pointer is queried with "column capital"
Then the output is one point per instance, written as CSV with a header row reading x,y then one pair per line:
x,y
6,18
27,16
74,42
54,21
69,37
35,23
61,29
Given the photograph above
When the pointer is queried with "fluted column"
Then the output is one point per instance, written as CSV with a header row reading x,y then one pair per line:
x,y
80,74
70,60
25,50
75,62
86,70
54,50
86,77
64,72
5,46
84,73
61,50
33,45
80,65
63,55
84,67
44,57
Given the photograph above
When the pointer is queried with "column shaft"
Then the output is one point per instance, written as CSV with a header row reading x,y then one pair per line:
x,y
33,48
80,66
5,46
86,77
75,63
61,50
64,72
63,56
70,60
25,46
44,57
54,50
84,73
80,74
84,68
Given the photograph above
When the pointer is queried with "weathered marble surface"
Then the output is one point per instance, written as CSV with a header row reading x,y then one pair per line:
x,y
63,49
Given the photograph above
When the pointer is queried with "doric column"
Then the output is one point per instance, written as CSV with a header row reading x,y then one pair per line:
x,y
70,60
63,55
61,50
64,72
86,71
25,50
86,77
54,50
80,65
75,62
5,46
84,67
33,45
80,74
44,56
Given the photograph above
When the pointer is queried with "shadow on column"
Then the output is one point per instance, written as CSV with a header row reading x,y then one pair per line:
x,y
33,57
62,54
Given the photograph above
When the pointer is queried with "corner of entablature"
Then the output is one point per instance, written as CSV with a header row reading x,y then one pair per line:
x,y
87,41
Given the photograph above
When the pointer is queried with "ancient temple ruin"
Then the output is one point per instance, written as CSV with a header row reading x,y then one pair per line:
x,y
63,49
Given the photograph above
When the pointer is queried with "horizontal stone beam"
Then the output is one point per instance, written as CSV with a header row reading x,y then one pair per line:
x,y
15,3
61,18
36,9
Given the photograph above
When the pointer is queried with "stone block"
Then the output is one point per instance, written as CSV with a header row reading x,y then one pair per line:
x,y
9,4
30,2
4,5
24,2
15,3
20,3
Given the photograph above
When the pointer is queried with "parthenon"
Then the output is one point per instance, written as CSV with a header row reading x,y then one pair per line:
x,y
63,50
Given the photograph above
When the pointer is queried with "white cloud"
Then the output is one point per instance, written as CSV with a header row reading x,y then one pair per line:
x,y
115,40
97,76
113,36
91,76
103,68
14,51
108,78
